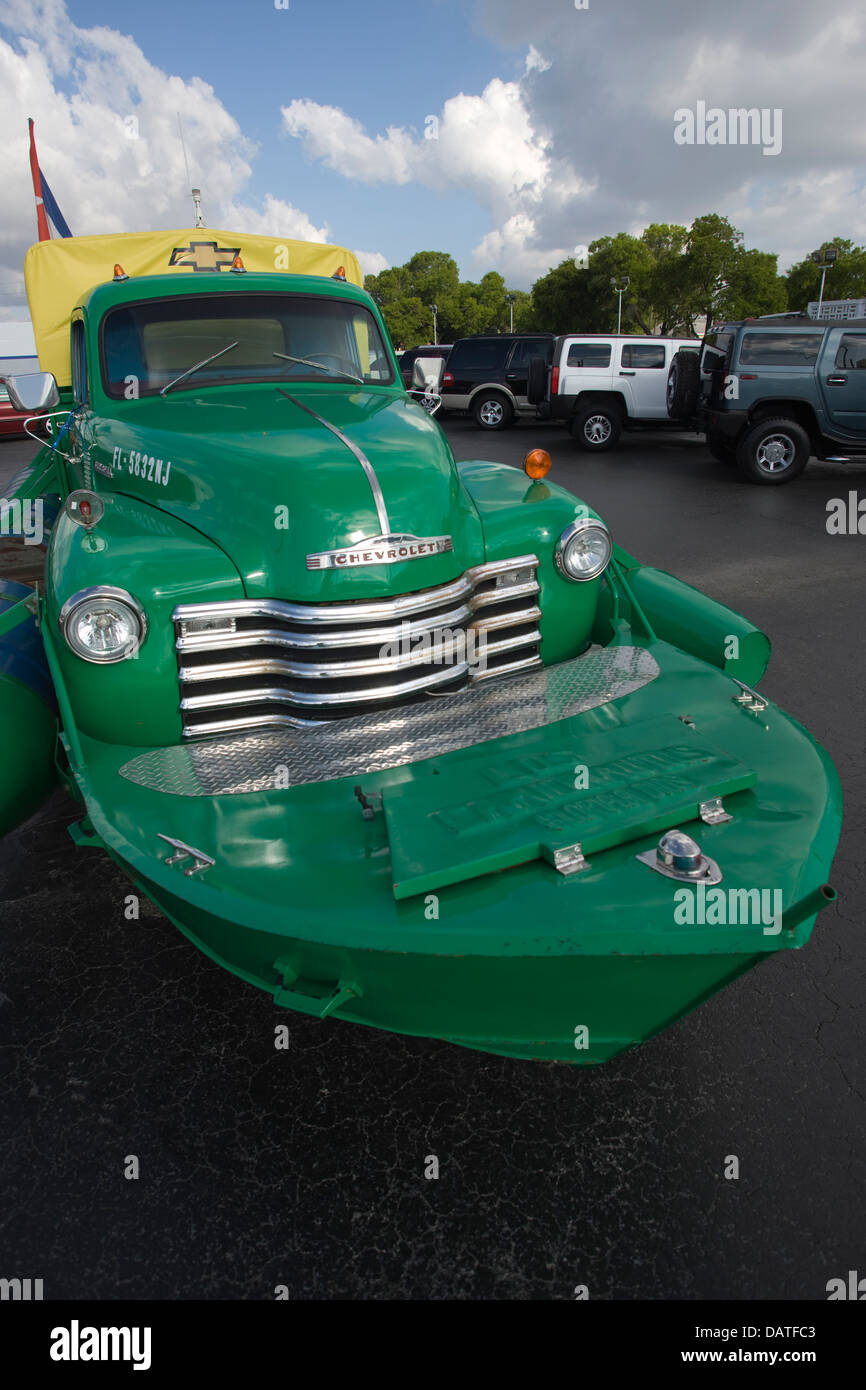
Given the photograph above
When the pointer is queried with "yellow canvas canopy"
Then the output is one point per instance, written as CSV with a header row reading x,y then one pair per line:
x,y
59,274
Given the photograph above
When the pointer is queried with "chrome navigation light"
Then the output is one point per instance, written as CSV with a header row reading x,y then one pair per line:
x,y
103,625
679,856
583,550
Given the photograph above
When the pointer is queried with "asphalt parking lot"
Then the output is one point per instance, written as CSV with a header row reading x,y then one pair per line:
x,y
306,1167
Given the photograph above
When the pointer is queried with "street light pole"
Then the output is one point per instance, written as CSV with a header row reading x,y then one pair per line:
x,y
824,260
435,309
509,299
620,290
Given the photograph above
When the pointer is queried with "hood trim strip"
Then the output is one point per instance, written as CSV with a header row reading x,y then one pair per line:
x,y
375,485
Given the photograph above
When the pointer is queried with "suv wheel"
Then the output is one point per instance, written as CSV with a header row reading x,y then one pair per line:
x,y
536,386
773,451
597,427
492,411
684,382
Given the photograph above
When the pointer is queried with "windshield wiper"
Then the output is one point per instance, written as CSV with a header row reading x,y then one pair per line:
x,y
183,376
332,371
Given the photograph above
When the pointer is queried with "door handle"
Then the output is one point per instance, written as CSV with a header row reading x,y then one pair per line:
x,y
837,381
511,376
628,373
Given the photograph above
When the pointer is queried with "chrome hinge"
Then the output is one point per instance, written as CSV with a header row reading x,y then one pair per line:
x,y
570,860
712,812
201,862
369,804
749,698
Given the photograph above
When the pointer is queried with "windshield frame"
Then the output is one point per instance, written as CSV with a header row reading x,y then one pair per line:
x,y
314,378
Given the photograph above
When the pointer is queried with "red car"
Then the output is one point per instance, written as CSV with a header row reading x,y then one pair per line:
x,y
17,358
11,420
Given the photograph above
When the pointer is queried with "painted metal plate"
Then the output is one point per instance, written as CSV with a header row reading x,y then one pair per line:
x,y
633,782
235,764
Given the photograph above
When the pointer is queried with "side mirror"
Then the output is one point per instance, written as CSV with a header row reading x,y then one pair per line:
x,y
31,393
427,373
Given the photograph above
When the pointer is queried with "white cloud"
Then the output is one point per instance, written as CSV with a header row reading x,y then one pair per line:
x,y
515,246
341,143
109,142
274,218
535,62
485,145
372,262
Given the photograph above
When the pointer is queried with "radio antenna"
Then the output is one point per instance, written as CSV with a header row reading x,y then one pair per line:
x,y
196,192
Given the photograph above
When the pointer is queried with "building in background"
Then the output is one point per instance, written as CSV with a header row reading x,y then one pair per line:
x,y
838,309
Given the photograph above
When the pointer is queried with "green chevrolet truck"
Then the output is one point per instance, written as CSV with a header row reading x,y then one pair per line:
x,y
402,741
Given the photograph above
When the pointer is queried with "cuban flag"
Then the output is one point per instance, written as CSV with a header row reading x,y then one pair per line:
x,y
46,203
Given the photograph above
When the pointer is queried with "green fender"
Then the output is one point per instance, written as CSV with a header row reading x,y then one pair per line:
x,y
696,624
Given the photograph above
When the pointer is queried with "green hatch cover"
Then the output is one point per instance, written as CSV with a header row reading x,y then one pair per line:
x,y
528,805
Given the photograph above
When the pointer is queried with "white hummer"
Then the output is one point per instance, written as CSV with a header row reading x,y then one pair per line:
x,y
602,383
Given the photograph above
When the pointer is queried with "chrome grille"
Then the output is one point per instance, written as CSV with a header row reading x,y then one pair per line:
x,y
252,662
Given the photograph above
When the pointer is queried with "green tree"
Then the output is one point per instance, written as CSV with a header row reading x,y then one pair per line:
x,y
666,281
406,295
612,259
562,301
755,286
846,279
711,250
407,319
433,275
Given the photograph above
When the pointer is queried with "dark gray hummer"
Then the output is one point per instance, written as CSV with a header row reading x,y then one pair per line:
x,y
770,392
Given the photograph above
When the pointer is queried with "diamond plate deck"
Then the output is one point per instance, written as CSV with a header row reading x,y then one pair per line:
x,y
234,764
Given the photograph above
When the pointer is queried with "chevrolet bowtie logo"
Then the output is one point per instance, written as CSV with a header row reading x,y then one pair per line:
x,y
204,255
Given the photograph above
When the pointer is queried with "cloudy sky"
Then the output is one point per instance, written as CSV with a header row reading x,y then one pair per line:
x,y
550,124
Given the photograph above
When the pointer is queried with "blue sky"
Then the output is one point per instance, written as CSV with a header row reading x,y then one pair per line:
x,y
387,63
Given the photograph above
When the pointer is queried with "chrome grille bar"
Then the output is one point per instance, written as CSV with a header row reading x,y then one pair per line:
x,y
394,690
365,610
261,662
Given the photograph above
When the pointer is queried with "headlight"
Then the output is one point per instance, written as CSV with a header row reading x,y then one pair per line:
x,y
103,624
583,550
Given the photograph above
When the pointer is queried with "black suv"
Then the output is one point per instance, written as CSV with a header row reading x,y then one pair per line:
x,y
770,392
488,375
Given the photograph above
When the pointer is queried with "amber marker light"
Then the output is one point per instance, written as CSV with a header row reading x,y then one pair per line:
x,y
120,273
537,463
237,264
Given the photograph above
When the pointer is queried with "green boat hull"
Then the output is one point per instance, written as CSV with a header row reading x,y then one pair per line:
x,y
518,958
28,717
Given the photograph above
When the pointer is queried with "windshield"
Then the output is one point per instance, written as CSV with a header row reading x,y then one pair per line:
x,y
147,346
